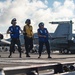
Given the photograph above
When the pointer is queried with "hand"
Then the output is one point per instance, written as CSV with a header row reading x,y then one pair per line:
x,y
44,36
9,32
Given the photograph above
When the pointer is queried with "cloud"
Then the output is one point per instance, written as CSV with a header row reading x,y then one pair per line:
x,y
64,11
56,4
46,1
36,10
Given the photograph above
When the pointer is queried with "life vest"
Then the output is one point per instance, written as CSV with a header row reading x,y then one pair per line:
x,y
29,30
43,32
14,31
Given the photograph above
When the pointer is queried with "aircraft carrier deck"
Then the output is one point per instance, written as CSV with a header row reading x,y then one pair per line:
x,y
15,61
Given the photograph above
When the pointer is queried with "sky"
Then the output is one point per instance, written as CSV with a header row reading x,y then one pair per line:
x,y
37,10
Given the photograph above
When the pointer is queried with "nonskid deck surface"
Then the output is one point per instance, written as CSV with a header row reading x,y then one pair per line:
x,y
25,61
15,61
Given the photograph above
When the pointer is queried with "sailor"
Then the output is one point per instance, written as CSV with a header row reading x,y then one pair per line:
x,y
28,36
14,32
43,39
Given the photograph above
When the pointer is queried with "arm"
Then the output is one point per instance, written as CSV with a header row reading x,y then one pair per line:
x,y
32,33
39,35
21,30
8,31
49,34
24,31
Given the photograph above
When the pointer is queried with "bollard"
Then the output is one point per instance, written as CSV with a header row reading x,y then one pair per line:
x,y
72,68
65,68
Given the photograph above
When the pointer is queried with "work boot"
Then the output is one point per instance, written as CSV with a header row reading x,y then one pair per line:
x,y
27,55
39,56
9,56
49,57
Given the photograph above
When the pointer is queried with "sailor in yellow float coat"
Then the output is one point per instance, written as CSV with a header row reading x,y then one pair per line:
x,y
28,36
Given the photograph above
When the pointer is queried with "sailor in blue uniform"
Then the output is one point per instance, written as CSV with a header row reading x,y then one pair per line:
x,y
43,39
14,32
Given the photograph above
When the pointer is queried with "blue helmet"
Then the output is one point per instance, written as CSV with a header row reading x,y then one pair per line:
x,y
14,19
41,24
28,21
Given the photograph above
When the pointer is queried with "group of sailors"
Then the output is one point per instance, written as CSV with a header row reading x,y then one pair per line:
x,y
14,31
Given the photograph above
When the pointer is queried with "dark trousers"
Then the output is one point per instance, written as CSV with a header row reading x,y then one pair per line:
x,y
12,46
41,47
28,44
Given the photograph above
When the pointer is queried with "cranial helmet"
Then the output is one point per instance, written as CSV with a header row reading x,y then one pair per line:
x,y
28,21
14,19
41,24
